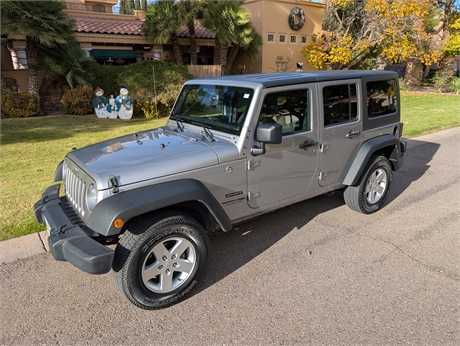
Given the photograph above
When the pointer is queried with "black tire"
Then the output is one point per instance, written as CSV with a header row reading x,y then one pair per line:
x,y
174,249
372,190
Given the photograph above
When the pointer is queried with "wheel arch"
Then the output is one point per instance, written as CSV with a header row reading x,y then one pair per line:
x,y
188,195
386,145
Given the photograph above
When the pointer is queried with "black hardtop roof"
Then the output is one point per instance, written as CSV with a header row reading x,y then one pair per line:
x,y
288,78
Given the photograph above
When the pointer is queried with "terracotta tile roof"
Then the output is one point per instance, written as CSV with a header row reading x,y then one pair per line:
x,y
108,26
128,27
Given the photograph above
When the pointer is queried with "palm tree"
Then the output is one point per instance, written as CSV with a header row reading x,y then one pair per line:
x,y
43,23
128,6
233,28
68,61
251,49
162,23
190,10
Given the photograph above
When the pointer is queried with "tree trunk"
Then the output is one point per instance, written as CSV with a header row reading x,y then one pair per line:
x,y
223,57
217,49
193,53
231,58
177,50
414,73
32,62
426,71
47,82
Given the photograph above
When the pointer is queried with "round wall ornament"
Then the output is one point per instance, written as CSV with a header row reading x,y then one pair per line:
x,y
296,11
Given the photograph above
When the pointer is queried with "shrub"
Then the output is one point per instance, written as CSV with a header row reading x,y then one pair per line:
x,y
444,77
77,101
105,77
455,85
20,104
141,85
402,85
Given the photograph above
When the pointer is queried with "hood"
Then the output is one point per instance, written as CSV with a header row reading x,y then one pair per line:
x,y
150,154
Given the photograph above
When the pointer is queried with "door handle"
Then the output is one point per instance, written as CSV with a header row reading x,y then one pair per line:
x,y
307,144
352,134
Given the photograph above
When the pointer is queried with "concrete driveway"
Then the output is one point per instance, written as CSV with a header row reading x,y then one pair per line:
x,y
314,273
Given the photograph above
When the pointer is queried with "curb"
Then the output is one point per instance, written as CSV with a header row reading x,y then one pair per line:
x,y
37,243
23,247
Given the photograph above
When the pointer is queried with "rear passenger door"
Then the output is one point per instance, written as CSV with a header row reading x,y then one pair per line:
x,y
340,118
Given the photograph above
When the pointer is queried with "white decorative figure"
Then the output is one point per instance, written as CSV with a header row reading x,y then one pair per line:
x,y
100,104
112,111
124,104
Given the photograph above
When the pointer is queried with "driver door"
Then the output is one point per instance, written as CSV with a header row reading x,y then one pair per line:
x,y
286,170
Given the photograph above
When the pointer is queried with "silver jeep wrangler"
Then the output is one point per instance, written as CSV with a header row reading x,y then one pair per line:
x,y
234,147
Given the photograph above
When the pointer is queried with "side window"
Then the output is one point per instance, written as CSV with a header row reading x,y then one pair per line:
x,y
340,104
291,109
381,98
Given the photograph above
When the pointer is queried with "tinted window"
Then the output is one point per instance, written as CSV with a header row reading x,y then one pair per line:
x,y
381,98
291,109
218,107
340,104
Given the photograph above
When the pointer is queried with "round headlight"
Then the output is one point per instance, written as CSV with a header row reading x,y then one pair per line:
x,y
91,199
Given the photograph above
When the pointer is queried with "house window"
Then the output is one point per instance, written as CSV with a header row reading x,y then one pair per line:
x,y
293,39
303,39
282,38
270,37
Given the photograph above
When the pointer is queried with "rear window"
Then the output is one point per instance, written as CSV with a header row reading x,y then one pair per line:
x,y
381,98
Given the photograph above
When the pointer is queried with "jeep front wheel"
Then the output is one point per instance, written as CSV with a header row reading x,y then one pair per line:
x,y
372,190
158,261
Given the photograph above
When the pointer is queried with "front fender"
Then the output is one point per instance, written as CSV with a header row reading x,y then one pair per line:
x,y
367,149
132,203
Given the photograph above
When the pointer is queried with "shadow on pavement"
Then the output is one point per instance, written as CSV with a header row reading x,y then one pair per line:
x,y
230,251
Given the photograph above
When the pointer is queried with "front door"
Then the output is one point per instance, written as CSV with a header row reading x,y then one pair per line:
x,y
286,170
340,128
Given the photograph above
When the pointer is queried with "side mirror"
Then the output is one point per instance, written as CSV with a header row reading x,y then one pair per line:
x,y
267,133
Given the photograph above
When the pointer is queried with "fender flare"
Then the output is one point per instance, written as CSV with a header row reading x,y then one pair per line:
x,y
128,204
366,150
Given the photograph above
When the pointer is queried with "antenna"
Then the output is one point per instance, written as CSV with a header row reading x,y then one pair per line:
x,y
155,93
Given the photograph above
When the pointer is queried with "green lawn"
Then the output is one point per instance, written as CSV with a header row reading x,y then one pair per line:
x,y
424,113
32,148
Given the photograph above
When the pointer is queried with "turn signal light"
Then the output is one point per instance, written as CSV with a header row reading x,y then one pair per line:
x,y
118,223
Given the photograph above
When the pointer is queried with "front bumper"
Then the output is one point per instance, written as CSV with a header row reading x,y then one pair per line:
x,y
68,241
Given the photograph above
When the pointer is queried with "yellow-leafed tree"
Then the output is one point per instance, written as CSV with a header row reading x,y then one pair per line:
x,y
397,30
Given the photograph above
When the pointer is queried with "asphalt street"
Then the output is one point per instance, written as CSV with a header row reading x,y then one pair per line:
x,y
313,273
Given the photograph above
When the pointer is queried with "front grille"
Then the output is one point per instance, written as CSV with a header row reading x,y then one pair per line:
x,y
75,189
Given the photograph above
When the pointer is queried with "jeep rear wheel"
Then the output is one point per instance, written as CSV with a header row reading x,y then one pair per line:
x,y
158,261
372,190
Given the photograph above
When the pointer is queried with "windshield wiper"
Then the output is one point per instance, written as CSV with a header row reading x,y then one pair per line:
x,y
180,127
208,134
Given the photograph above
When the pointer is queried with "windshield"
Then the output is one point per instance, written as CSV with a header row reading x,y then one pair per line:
x,y
217,107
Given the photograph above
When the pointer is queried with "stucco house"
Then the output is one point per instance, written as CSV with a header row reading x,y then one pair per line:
x,y
113,38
